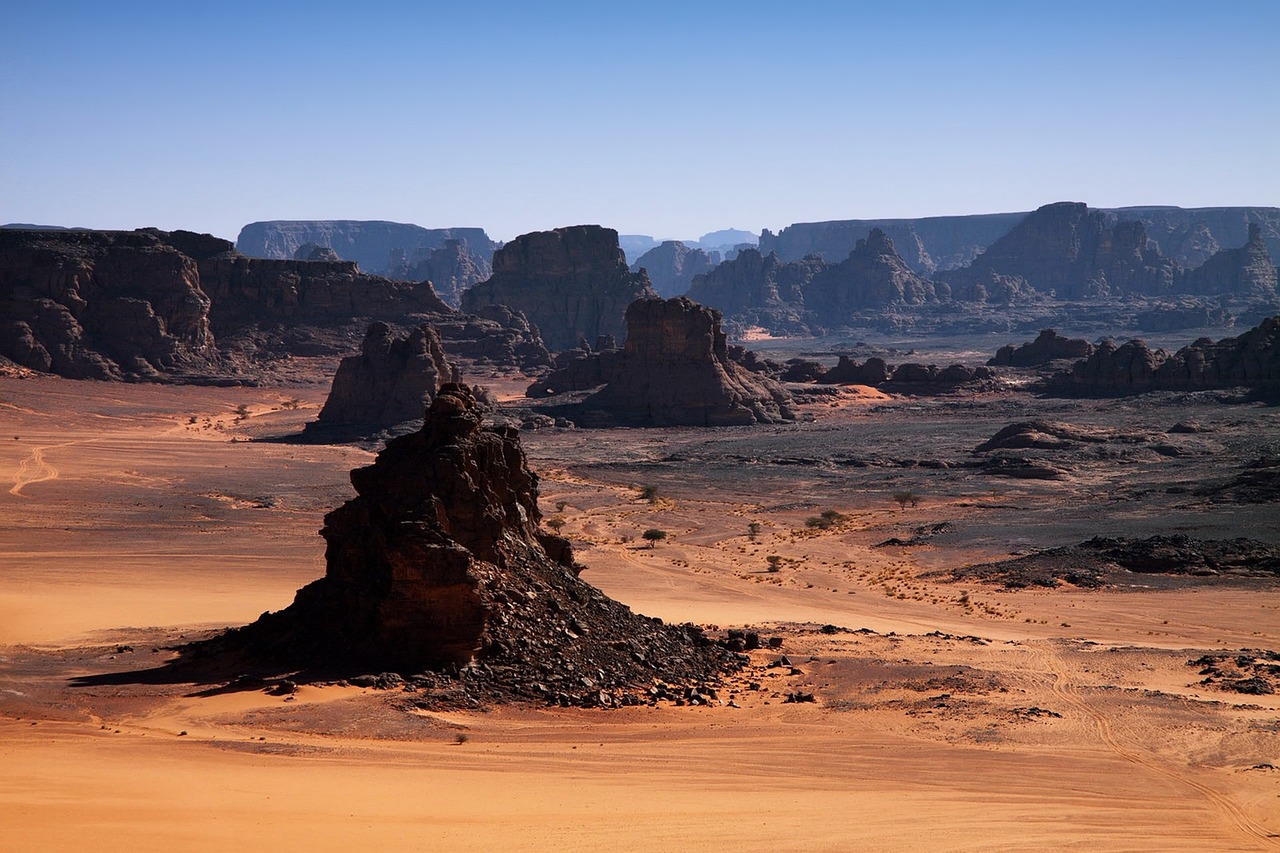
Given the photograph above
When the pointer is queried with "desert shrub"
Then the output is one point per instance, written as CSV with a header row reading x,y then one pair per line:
x,y
648,493
904,498
555,522
653,536
775,562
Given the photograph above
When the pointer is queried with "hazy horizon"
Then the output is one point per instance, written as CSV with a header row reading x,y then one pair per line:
x,y
671,122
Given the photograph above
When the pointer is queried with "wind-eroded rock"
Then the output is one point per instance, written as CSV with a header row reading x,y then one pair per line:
x,y
439,564
572,283
1048,346
675,369
391,381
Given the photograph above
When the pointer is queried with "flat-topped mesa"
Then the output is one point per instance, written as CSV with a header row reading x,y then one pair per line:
x,y
391,381
439,563
675,369
572,283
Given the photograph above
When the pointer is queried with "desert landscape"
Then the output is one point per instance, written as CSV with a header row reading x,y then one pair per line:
x,y
899,709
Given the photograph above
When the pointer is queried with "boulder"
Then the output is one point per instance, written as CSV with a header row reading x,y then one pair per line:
x,y
572,283
439,564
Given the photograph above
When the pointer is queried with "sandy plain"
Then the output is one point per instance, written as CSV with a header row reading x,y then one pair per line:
x,y
947,716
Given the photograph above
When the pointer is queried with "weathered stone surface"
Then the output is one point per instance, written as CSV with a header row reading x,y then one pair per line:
x,y
675,369
755,290
376,246
579,369
439,564
313,252
1067,250
1251,360
672,266
1246,271
391,381
849,372
1048,346
102,305
572,283
873,276
451,269
152,304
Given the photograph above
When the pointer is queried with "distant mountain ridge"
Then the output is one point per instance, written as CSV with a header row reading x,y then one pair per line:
x,y
936,243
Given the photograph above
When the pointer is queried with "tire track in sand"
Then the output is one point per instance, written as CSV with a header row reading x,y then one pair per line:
x,y
1066,690
34,468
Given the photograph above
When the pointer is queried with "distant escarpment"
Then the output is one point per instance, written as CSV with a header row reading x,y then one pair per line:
x,y
178,305
391,381
672,266
439,569
1249,360
451,269
939,243
380,248
1246,271
572,283
675,369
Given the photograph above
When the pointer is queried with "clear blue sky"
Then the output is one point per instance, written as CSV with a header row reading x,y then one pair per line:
x,y
670,119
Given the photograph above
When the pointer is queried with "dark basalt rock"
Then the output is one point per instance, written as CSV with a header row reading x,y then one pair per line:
x,y
439,564
672,266
1048,346
572,283
391,381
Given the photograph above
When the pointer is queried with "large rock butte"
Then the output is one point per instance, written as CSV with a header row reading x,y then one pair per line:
x,y
439,564
676,369
572,283
672,266
391,381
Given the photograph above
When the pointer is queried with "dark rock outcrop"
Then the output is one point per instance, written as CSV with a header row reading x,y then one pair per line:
x,y
1066,249
391,381
1048,346
873,371
376,246
153,305
572,283
102,305
451,269
439,565
1250,360
873,276
1246,271
579,369
672,266
755,290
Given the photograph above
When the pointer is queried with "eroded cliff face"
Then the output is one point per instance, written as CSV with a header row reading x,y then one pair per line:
x,y
102,305
1247,271
572,283
672,266
675,369
180,306
439,564
873,276
451,269
755,290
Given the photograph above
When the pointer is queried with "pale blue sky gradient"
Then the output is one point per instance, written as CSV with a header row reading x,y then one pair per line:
x,y
670,119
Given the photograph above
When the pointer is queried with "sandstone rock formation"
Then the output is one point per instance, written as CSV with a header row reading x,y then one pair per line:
x,y
391,381
572,283
372,244
1048,346
1246,271
1251,360
451,269
1072,252
873,276
672,266
439,564
102,305
755,290
151,305
579,369
675,370
849,372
